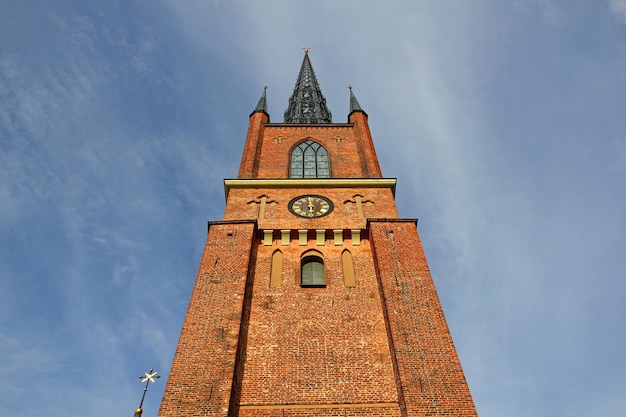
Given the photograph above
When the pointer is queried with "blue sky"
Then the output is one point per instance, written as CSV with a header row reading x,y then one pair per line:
x,y
503,120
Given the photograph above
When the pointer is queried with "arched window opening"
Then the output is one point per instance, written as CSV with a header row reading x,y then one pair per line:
x,y
309,160
312,272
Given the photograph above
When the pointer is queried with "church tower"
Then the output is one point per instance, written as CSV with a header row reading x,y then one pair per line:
x,y
313,298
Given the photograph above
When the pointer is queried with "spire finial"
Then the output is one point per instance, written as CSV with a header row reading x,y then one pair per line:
x,y
147,377
306,49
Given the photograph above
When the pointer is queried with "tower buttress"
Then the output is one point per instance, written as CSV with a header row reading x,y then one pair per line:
x,y
359,118
249,165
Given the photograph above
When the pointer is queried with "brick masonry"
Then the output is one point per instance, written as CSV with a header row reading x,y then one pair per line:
x,y
201,376
268,148
428,369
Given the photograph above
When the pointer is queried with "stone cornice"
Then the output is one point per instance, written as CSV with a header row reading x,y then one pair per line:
x,y
311,183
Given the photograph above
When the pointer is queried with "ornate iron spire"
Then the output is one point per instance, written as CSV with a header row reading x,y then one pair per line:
x,y
262,104
354,104
307,103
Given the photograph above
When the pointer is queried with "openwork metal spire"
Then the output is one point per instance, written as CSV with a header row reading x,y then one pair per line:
x,y
307,103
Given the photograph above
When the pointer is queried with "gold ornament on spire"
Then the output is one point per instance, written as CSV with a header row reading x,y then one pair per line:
x,y
147,377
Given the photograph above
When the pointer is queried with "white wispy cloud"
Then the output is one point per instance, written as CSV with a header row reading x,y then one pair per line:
x,y
555,12
618,8
117,126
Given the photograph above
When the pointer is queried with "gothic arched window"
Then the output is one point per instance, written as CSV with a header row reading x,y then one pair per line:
x,y
312,272
309,160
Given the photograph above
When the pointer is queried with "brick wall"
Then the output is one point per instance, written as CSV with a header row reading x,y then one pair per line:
x,y
377,348
317,346
267,149
245,204
200,380
427,366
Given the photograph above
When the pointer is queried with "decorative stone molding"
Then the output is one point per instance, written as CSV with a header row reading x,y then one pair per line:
x,y
338,235
302,237
319,236
285,238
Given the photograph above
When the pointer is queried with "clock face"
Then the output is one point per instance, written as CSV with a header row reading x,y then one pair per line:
x,y
310,206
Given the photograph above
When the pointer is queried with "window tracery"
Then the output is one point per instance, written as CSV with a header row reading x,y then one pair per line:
x,y
309,160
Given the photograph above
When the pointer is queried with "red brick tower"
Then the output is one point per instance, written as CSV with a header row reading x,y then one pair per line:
x,y
313,298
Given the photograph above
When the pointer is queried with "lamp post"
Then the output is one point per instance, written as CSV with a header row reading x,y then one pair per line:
x,y
147,378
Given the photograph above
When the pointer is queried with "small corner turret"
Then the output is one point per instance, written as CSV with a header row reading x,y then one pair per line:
x,y
261,106
354,104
